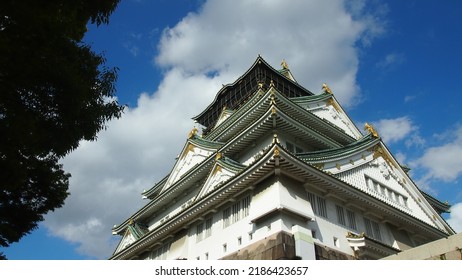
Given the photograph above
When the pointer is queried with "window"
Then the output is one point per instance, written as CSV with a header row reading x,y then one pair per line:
x,y
201,233
404,201
386,192
199,229
161,252
312,199
206,256
245,206
225,248
208,227
340,215
351,219
322,209
226,216
376,229
239,240
318,204
236,212
372,229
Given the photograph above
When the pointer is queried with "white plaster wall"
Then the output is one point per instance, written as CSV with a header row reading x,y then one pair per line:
x,y
185,163
332,115
249,155
171,210
356,177
213,245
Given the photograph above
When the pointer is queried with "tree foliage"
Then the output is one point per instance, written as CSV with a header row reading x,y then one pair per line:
x,y
54,92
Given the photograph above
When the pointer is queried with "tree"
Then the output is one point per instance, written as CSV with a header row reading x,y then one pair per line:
x,y
54,92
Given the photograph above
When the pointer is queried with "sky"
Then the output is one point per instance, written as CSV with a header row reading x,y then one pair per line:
x,y
395,64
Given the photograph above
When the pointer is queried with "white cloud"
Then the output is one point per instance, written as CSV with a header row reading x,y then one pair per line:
x,y
390,60
444,162
135,152
317,39
394,130
455,217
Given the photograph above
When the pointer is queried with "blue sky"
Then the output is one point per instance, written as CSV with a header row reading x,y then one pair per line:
x,y
395,64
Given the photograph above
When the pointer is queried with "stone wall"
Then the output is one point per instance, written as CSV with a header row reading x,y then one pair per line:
x,y
279,246
449,248
326,253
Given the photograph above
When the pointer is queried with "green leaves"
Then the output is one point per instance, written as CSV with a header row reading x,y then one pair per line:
x,y
54,92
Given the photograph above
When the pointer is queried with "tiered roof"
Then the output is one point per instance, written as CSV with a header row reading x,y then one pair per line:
x,y
262,102
232,96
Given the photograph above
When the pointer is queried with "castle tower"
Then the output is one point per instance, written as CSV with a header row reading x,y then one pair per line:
x,y
279,172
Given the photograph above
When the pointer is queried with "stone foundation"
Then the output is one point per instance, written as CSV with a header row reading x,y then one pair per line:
x,y
325,253
279,246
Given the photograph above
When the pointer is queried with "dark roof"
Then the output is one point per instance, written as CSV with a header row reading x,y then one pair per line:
x,y
439,206
232,96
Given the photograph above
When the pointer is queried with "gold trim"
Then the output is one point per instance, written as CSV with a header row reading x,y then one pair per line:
x,y
333,104
189,148
319,166
326,88
217,169
354,235
371,129
275,139
192,133
273,111
379,152
276,152
273,101
219,156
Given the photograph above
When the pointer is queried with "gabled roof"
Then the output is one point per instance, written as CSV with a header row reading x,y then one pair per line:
x,y
439,206
276,161
223,170
287,115
232,96
323,155
320,102
195,150
133,232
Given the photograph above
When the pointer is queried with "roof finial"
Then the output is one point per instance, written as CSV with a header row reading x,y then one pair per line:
x,y
192,133
275,139
371,130
284,64
326,89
